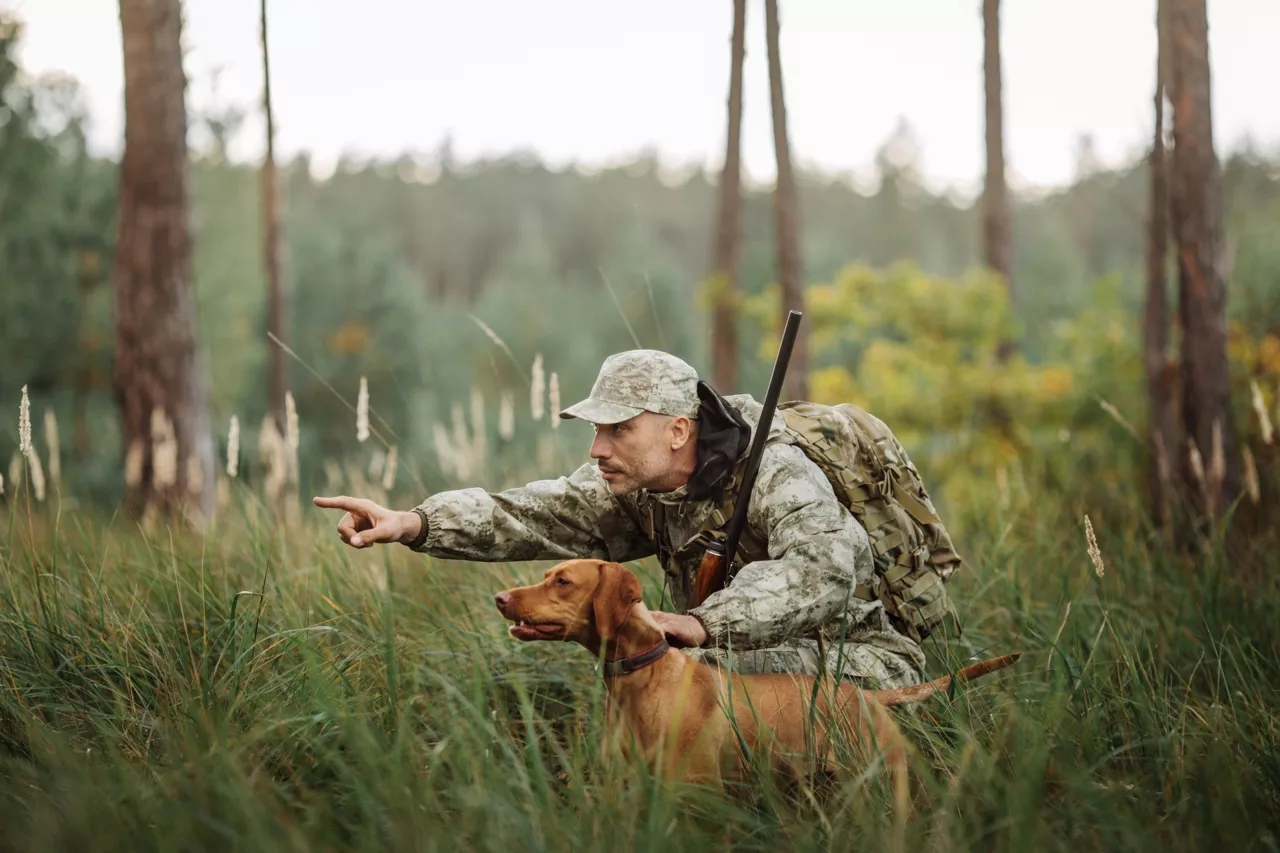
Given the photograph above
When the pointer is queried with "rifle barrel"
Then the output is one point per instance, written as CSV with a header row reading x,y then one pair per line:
x,y
739,520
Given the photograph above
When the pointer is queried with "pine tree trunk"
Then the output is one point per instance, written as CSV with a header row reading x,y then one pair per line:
x,y
997,240
158,375
278,380
1197,225
1160,387
724,323
796,386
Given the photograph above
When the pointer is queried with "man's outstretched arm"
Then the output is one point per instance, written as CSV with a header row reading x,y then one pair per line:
x,y
560,519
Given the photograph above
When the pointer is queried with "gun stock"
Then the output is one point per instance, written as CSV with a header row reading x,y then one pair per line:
x,y
713,572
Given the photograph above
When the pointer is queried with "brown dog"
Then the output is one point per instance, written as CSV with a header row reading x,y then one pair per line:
x,y
697,723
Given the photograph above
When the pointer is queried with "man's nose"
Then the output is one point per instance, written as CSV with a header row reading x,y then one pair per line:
x,y
503,600
600,448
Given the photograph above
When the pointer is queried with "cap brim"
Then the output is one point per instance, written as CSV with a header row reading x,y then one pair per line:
x,y
600,412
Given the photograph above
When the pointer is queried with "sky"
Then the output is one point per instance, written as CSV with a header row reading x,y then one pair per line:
x,y
596,81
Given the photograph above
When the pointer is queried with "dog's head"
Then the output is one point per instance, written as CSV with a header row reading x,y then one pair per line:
x,y
583,601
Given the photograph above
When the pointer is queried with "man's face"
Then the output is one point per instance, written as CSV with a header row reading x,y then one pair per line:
x,y
640,453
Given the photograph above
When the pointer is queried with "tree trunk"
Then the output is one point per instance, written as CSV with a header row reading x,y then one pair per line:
x,y
1197,226
997,244
1160,389
159,382
278,380
724,322
796,386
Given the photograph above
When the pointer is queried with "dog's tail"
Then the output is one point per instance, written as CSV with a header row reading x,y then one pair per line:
x,y
918,692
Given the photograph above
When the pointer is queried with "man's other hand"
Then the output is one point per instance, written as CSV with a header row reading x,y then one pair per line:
x,y
365,523
683,630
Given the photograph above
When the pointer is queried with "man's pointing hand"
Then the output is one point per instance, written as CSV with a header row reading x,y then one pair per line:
x,y
365,523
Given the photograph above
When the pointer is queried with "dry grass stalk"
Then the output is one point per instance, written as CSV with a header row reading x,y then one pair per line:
x,y
1197,463
1251,476
164,451
1002,486
555,401
24,424
37,474
493,336
537,388
362,412
55,448
389,471
133,463
233,447
1217,459
271,450
507,416
1260,408
1,484
1095,554
291,421
1117,417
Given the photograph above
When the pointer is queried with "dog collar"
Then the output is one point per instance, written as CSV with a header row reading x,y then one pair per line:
x,y
626,666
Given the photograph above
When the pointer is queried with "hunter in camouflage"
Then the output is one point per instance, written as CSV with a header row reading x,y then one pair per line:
x,y
788,607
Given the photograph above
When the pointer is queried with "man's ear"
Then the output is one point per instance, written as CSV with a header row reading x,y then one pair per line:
x,y
616,593
681,432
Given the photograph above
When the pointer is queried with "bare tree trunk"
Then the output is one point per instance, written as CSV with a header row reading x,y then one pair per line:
x,y
159,381
997,240
796,385
724,322
1160,388
1197,226
278,381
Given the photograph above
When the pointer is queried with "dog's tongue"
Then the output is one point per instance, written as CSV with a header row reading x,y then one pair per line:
x,y
533,632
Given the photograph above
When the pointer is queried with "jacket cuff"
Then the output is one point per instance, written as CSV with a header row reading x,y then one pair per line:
x,y
417,543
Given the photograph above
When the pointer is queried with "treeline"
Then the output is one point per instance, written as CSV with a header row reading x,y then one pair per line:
x,y
386,263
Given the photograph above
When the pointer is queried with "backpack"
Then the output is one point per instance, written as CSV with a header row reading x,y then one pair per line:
x,y
873,477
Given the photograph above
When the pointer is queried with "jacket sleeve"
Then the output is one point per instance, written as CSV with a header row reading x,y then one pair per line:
x,y
818,553
561,519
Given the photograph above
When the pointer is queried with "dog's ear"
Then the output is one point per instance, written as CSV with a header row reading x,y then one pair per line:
x,y
616,593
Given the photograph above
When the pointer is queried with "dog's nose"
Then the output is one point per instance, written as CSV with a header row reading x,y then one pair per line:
x,y
502,599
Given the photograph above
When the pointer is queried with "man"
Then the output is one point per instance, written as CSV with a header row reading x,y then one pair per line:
x,y
666,451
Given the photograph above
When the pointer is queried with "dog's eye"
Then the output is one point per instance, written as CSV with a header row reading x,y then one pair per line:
x,y
562,581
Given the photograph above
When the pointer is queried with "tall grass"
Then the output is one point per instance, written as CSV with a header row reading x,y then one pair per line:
x,y
260,687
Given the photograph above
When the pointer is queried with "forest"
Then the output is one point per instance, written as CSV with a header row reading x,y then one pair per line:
x,y
191,346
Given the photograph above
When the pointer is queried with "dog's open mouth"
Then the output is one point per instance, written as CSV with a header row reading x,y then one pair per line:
x,y
535,630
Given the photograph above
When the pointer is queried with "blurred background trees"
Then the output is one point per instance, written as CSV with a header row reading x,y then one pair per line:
x,y
393,262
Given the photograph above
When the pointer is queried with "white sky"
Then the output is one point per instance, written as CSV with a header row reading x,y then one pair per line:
x,y
597,80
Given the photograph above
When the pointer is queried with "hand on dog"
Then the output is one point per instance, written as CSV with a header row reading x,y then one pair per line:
x,y
365,523
682,631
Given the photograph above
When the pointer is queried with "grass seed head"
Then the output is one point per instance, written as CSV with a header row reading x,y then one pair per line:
x,y
37,474
362,412
24,424
233,447
554,395
537,388
1251,476
1095,554
1260,408
54,445
507,416
389,470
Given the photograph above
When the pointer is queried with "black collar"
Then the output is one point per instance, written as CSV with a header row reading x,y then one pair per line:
x,y
626,666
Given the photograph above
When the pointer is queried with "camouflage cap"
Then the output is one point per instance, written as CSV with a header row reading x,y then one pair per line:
x,y
639,380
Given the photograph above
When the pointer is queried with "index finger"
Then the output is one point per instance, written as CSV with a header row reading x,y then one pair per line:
x,y
341,502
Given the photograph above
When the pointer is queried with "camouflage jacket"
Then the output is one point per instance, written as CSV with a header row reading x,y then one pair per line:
x,y
802,551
